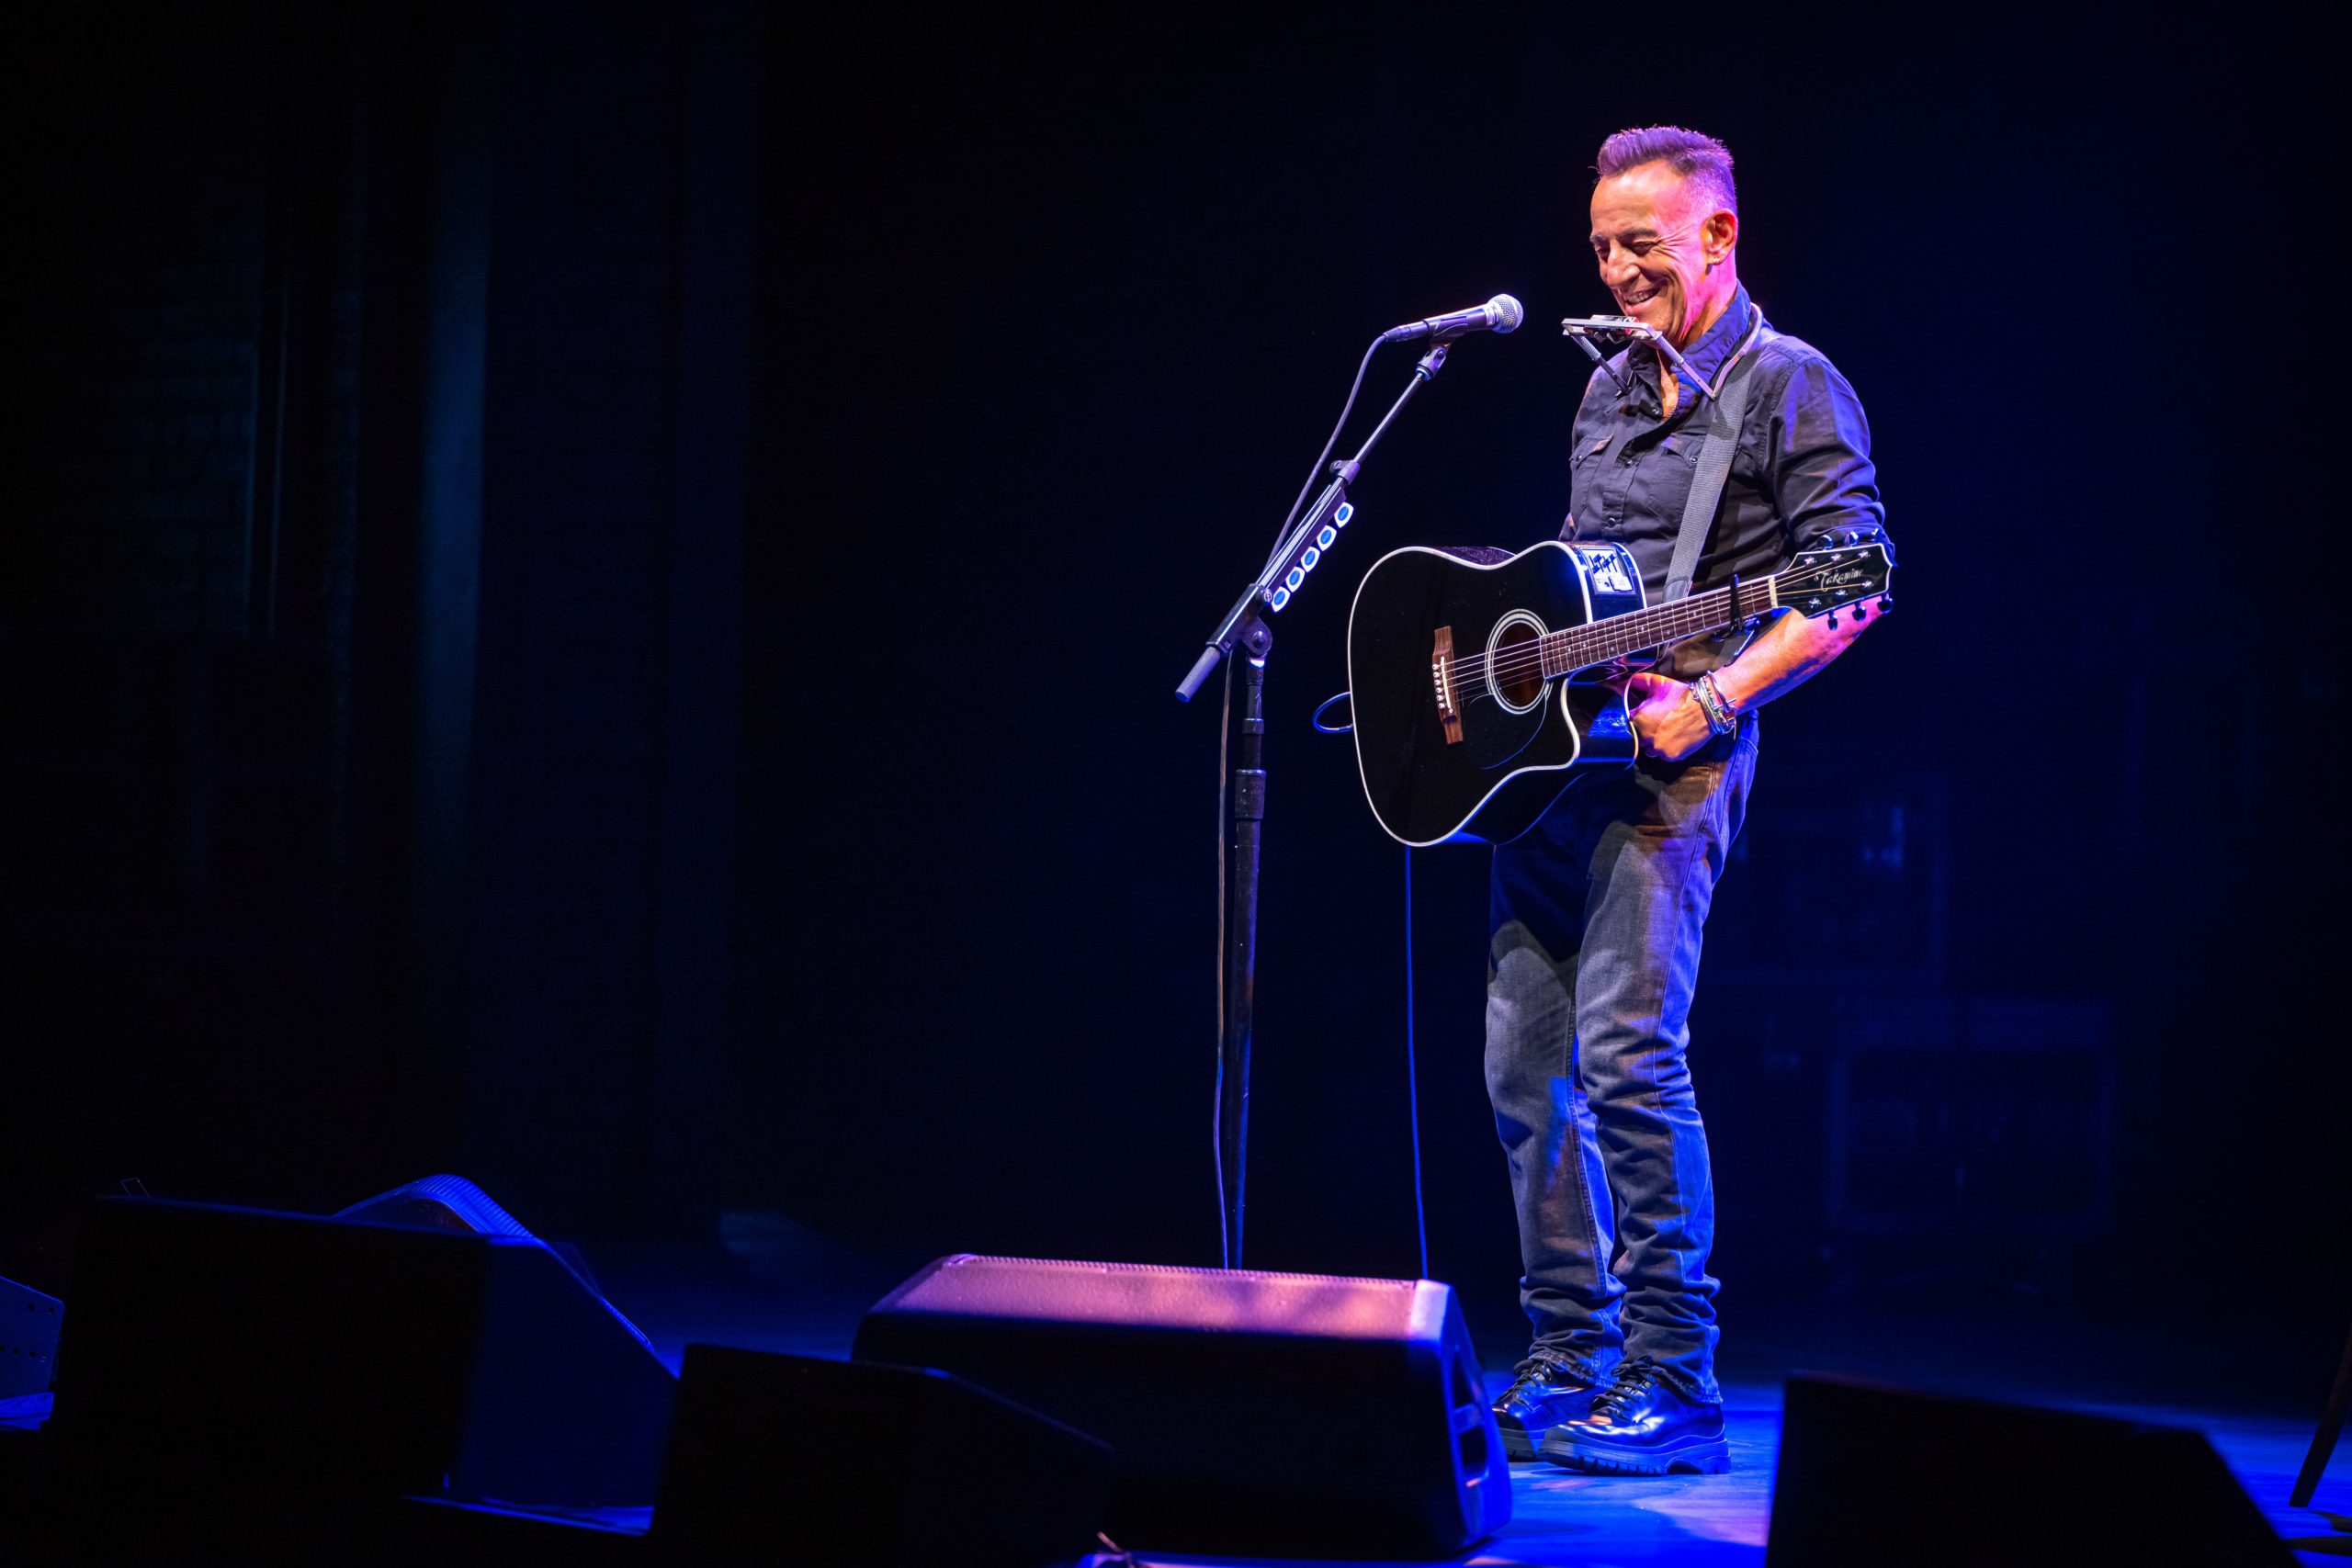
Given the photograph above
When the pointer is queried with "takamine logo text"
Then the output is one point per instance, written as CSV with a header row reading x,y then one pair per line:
x,y
1840,579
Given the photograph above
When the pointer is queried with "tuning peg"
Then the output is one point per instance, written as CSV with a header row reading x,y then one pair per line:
x,y
1833,620
1885,603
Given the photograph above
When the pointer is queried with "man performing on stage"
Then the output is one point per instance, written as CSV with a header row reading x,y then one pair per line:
x,y
1597,910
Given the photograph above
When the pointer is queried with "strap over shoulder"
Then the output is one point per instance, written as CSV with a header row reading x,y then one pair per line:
x,y
1727,410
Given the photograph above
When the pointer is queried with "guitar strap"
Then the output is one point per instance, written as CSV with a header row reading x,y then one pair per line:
x,y
1730,410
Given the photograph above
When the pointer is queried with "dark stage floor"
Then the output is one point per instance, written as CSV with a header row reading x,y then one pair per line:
x,y
1558,1518
787,1289
779,1287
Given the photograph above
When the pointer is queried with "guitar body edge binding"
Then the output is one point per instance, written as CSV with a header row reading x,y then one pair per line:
x,y
1483,688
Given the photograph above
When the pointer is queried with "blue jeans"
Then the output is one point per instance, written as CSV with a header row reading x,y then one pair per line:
x,y
1597,916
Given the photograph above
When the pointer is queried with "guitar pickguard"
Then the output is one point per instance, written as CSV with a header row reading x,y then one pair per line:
x,y
1496,736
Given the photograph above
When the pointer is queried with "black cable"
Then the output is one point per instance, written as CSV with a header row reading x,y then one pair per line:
x,y
1217,1117
1412,1072
1316,472
1224,741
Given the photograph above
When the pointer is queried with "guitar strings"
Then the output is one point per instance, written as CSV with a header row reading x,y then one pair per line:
x,y
1672,622
1681,618
1667,626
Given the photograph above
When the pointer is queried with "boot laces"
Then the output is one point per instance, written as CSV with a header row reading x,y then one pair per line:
x,y
1529,1372
1632,1379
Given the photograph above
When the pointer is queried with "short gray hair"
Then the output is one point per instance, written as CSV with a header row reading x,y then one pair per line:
x,y
1695,156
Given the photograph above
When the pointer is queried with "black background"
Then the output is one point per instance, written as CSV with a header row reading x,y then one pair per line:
x,y
856,425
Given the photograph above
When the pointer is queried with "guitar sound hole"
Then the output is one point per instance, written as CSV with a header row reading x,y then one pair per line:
x,y
1518,668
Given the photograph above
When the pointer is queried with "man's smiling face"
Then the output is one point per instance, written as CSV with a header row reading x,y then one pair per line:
x,y
1654,234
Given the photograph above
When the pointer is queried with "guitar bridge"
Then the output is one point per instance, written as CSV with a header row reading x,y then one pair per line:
x,y
1449,711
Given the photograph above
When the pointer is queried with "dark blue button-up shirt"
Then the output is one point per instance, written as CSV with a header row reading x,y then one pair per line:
x,y
1802,468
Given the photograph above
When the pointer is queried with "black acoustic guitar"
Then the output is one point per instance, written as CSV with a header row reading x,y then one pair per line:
x,y
1482,688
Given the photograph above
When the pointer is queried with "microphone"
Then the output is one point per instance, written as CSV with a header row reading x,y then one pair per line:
x,y
1498,314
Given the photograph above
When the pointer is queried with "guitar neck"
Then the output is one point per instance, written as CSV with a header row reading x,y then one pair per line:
x,y
1696,615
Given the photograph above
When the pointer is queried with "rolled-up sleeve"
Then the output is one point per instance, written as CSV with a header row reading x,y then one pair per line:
x,y
1822,477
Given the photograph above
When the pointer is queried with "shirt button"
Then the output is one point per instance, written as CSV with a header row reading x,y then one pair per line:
x,y
1616,517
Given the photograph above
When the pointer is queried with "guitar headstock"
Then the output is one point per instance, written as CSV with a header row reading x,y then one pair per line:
x,y
1844,568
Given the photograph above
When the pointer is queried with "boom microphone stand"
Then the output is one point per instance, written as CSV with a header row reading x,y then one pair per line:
x,y
1245,628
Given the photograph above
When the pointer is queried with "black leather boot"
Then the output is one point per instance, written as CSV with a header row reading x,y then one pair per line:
x,y
1641,1425
1544,1393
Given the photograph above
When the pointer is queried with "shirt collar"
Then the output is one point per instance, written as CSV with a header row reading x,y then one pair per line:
x,y
1715,347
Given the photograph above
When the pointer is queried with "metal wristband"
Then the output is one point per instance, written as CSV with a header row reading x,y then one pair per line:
x,y
1721,720
1708,706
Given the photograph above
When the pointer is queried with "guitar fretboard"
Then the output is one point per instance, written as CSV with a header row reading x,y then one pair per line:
x,y
1822,582
1581,648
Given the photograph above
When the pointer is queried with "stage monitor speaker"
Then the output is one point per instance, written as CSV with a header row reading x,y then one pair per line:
x,y
437,1202
1871,1475
223,1347
781,1459
1247,1412
28,1324
454,1203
